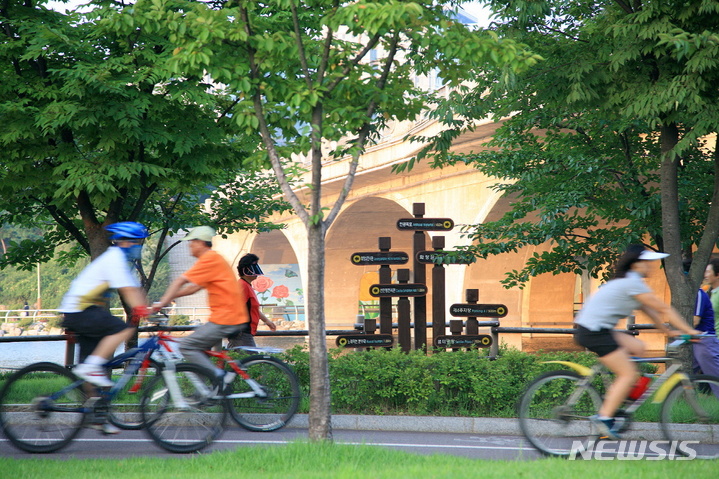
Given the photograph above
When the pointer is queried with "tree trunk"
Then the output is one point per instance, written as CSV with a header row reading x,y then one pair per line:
x,y
682,290
320,427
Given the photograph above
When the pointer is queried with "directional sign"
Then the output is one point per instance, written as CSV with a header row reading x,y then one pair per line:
x,y
464,341
478,310
425,224
399,289
364,340
442,257
379,258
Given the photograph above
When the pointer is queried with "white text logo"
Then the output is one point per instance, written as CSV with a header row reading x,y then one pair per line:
x,y
633,450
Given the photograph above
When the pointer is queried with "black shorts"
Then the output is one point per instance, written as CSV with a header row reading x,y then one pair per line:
x,y
601,342
91,325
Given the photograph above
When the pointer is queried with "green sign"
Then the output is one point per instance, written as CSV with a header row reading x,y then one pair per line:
x,y
443,257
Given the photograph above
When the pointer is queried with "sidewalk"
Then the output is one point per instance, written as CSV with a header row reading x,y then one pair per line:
x,y
489,426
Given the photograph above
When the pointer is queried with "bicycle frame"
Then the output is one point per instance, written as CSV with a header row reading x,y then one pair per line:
x,y
662,384
140,361
224,358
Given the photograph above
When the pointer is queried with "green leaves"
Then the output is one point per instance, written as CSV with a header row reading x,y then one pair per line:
x,y
578,155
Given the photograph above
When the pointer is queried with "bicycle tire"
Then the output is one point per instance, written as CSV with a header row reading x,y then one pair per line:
x,y
681,422
552,426
30,419
277,408
183,428
125,410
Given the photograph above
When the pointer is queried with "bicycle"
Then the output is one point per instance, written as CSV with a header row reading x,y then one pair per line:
x,y
263,393
555,408
260,392
44,406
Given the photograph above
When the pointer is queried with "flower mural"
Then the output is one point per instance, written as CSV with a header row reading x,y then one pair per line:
x,y
280,285
262,283
281,292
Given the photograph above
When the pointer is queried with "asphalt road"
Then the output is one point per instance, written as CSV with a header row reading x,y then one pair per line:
x,y
127,444
477,438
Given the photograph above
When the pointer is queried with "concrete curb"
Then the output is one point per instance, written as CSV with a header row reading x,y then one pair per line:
x,y
498,426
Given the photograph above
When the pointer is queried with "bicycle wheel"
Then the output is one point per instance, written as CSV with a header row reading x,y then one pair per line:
x,y
692,414
41,407
125,407
188,423
280,399
554,413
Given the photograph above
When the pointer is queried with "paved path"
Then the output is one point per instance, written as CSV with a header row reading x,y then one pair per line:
x,y
478,438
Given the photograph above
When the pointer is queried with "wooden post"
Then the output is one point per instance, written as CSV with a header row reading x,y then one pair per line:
x,y
420,276
370,326
385,277
472,296
438,293
403,314
472,326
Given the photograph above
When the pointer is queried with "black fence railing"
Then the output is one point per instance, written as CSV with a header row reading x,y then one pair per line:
x,y
495,330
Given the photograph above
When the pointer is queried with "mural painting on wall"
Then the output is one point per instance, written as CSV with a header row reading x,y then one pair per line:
x,y
280,285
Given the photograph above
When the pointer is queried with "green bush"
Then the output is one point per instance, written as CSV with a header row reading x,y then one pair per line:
x,y
179,320
441,384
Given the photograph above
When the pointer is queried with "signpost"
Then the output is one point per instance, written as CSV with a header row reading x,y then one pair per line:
x,y
425,224
365,340
463,341
397,290
478,310
442,257
379,258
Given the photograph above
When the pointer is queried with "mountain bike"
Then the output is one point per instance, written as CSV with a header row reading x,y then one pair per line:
x,y
44,406
555,408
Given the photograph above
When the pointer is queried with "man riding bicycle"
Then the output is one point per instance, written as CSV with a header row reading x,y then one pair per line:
x,y
228,314
85,305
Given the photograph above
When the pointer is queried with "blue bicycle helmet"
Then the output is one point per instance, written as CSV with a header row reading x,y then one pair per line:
x,y
127,230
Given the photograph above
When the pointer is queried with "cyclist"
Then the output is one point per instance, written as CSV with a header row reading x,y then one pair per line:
x,y
249,270
615,300
85,305
228,314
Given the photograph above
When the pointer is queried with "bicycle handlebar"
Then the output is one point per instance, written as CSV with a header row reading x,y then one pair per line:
x,y
685,338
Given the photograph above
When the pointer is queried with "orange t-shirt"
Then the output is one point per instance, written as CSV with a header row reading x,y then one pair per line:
x,y
227,300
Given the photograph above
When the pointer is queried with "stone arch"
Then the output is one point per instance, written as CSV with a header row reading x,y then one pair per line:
x,y
357,229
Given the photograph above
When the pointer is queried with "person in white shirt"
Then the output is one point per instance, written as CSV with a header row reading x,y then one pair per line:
x,y
615,300
85,305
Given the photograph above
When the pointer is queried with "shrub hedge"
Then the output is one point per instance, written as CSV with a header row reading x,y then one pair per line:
x,y
441,384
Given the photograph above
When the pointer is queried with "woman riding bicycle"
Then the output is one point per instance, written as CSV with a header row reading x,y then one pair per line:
x,y
615,300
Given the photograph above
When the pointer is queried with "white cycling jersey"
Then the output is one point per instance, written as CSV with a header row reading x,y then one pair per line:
x,y
95,284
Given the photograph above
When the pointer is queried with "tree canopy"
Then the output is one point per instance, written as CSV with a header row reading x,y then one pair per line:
x,y
610,140
97,129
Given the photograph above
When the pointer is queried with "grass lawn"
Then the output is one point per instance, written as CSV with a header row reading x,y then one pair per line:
x,y
302,460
